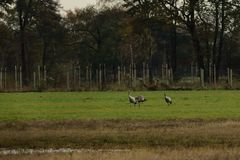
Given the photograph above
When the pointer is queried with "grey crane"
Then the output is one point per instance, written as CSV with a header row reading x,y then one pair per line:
x,y
168,99
140,99
132,99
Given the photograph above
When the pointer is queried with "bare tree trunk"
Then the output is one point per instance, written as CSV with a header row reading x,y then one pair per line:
x,y
24,15
196,45
208,53
214,51
174,47
197,48
45,46
24,57
219,60
194,34
174,41
229,53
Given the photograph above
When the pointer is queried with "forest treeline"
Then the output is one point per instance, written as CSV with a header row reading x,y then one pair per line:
x,y
156,32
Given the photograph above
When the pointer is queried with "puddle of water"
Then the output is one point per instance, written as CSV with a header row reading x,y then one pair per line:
x,y
61,150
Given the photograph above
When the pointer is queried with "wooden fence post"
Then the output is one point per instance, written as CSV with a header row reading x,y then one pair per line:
x,y
87,76
79,77
135,75
214,76
119,76
130,74
192,72
162,69
20,74
16,79
90,75
45,76
197,70
39,75
171,75
147,76
228,76
121,73
104,73
97,79
100,77
124,72
231,78
68,81
144,73
5,78
202,77
210,73
166,72
74,76
1,78
34,80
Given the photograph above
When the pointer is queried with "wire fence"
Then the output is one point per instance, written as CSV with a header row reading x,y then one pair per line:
x,y
122,77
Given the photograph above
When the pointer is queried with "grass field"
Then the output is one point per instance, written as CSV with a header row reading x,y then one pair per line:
x,y
199,123
115,105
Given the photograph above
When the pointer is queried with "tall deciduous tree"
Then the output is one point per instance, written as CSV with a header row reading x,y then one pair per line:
x,y
185,11
94,34
4,4
47,19
24,13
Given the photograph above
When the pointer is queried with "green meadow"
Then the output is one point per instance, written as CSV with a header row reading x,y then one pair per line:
x,y
209,105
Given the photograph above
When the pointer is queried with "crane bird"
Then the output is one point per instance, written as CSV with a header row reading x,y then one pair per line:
x,y
168,99
132,99
140,99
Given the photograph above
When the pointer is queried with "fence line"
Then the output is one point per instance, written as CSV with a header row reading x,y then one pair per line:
x,y
122,77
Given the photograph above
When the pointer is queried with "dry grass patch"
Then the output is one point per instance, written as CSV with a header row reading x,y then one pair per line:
x,y
95,134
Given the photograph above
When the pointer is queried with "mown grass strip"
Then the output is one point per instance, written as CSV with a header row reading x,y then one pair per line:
x,y
114,105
